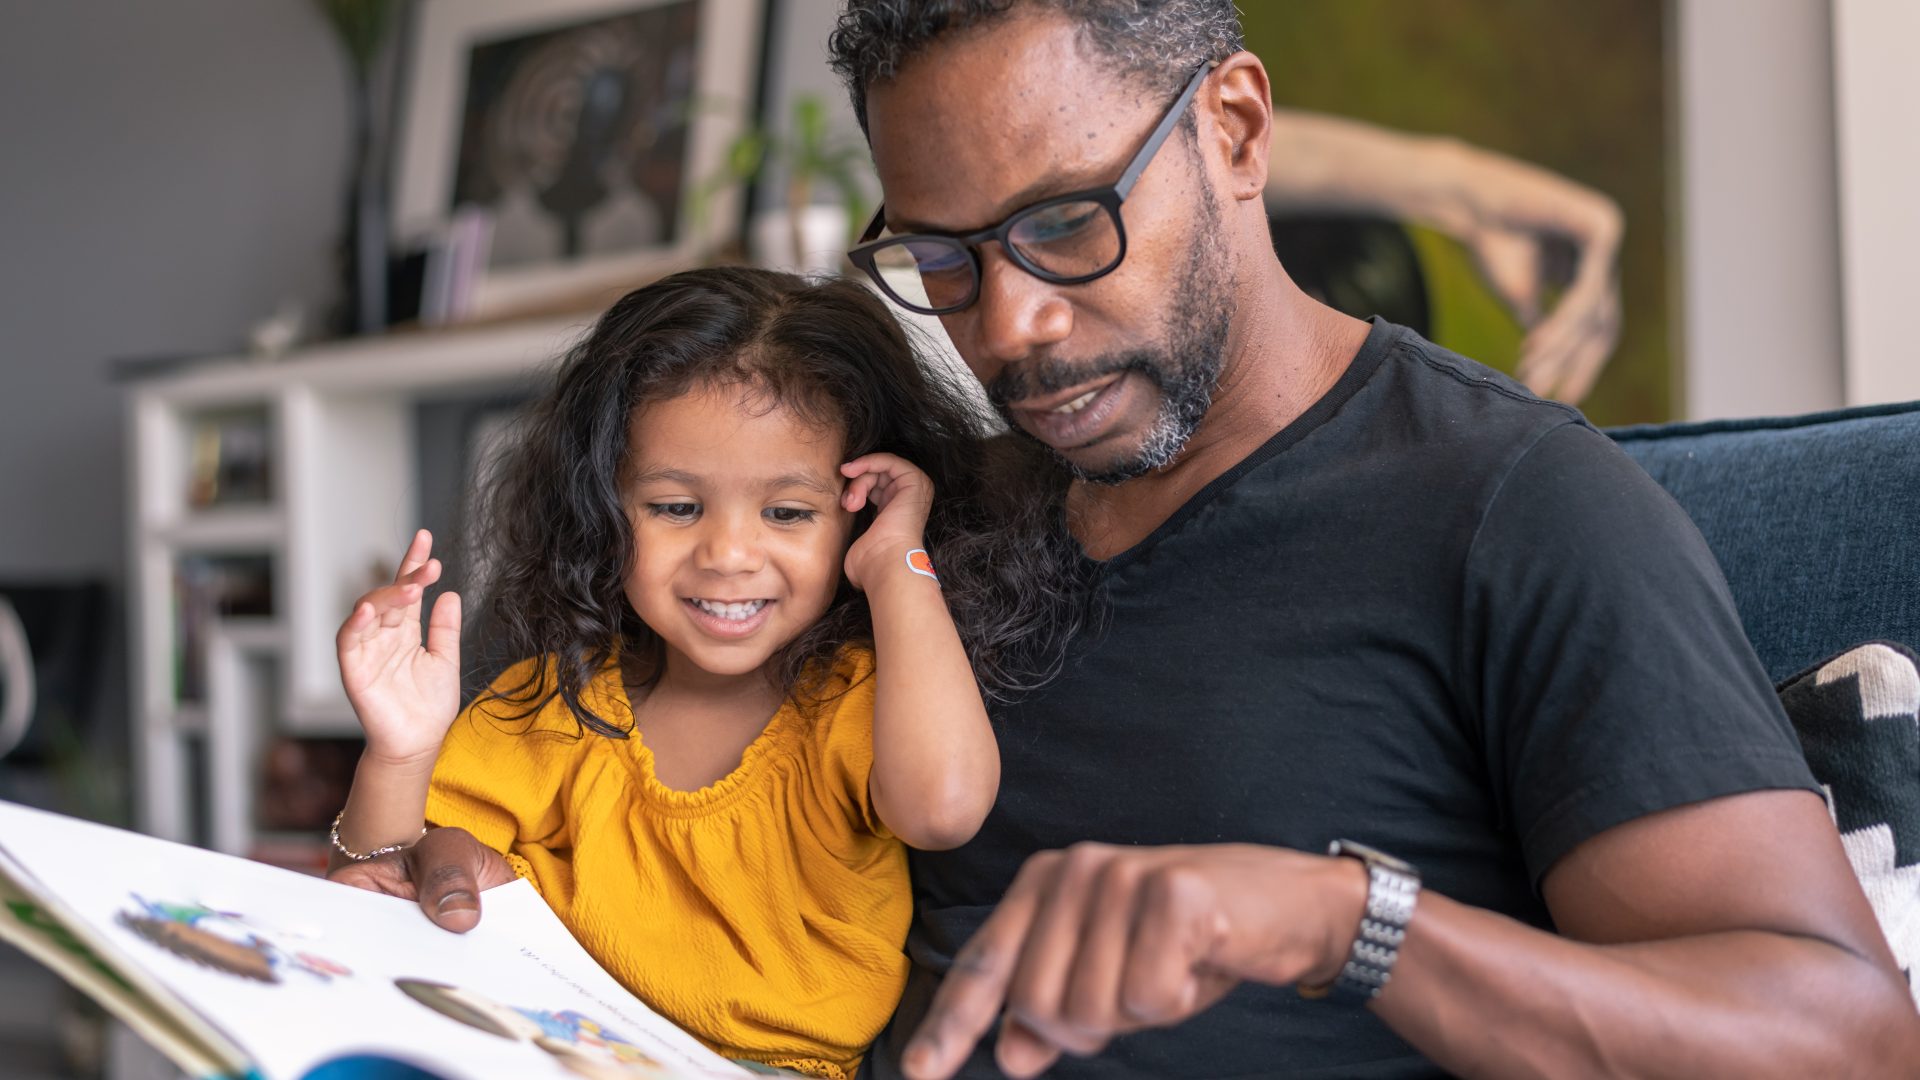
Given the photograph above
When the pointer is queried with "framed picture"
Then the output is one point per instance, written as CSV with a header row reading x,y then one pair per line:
x,y
578,130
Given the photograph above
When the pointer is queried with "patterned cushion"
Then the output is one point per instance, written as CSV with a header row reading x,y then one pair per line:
x,y
1858,716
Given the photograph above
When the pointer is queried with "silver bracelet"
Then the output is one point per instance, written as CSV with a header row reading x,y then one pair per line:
x,y
333,836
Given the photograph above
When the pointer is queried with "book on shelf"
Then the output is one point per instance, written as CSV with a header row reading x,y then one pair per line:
x,y
206,589
237,969
230,459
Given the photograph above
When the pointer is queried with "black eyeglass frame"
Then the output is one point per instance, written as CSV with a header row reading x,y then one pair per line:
x,y
1110,197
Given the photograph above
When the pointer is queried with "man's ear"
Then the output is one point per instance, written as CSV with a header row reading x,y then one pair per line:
x,y
1241,105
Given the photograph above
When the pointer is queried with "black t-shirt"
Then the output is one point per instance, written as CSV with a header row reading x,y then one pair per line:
x,y
1434,614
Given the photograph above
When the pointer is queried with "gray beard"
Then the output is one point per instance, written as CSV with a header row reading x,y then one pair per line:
x,y
1185,369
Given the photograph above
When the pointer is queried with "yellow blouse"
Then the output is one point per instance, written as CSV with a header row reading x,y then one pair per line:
x,y
766,913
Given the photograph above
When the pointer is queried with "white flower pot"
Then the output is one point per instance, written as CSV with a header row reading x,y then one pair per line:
x,y
823,239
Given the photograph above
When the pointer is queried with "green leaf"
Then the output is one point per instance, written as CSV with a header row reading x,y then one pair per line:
x,y
747,154
361,26
853,196
810,122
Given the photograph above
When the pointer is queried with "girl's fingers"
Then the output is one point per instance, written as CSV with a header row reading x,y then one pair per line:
x,y
375,614
377,603
417,551
866,463
352,631
878,479
858,491
890,464
392,604
443,629
423,575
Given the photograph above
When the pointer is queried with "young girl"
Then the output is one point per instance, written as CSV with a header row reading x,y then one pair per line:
x,y
746,691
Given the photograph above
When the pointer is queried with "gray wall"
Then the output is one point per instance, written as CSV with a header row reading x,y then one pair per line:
x,y
1759,244
169,176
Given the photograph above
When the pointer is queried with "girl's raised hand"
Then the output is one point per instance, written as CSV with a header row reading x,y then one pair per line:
x,y
405,694
903,495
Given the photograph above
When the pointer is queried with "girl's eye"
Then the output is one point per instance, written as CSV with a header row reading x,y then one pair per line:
x,y
679,511
789,515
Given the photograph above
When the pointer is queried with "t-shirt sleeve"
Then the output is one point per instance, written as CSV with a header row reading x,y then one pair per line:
x,y
1612,674
501,779
843,748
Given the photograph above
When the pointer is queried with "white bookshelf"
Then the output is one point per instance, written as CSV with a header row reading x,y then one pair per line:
x,y
341,499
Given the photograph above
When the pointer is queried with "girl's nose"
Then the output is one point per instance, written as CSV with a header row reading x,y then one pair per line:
x,y
732,545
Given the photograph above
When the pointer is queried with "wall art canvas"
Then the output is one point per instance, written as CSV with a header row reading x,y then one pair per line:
x,y
1495,173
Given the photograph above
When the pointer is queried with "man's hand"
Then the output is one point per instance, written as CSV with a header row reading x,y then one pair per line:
x,y
446,872
1098,941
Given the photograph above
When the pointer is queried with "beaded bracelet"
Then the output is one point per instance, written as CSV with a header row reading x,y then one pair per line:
x,y
333,835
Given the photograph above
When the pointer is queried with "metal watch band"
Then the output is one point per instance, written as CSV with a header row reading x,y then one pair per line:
x,y
1393,888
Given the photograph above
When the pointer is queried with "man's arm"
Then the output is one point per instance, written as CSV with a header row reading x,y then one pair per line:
x,y
1723,938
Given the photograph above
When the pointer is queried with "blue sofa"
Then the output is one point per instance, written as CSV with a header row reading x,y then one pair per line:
x,y
1815,519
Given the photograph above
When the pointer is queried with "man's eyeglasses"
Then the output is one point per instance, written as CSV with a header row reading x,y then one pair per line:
x,y
1067,240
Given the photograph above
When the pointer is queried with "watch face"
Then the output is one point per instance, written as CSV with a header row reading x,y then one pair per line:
x,y
1371,856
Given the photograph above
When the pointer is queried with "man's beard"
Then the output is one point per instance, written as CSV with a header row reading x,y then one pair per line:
x,y
1184,368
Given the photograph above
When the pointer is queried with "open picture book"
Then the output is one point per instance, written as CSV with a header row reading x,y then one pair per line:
x,y
238,969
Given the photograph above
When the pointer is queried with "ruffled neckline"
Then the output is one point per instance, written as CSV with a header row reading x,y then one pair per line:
x,y
775,738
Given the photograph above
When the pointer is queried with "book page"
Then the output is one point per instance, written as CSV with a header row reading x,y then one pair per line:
x,y
37,933
296,970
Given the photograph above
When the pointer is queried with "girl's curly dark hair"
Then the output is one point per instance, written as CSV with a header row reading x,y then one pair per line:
x,y
559,544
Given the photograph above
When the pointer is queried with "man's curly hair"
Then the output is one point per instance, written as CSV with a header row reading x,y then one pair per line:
x,y
1159,42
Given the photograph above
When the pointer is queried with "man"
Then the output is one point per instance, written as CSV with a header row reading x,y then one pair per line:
x,y
1357,589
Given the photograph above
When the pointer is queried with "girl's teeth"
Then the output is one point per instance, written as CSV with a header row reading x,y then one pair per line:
x,y
1078,403
731,612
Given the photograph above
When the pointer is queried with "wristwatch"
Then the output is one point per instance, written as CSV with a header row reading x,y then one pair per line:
x,y
1393,886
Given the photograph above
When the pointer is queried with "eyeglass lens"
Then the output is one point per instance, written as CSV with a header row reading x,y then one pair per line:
x,y
1059,241
926,272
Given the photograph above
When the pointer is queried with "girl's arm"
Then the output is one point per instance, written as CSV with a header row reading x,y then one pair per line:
x,y
406,695
936,767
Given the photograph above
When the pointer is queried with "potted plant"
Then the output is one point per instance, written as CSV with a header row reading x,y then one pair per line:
x,y
799,234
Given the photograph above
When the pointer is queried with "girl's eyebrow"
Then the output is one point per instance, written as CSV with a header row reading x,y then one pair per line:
x,y
666,476
805,480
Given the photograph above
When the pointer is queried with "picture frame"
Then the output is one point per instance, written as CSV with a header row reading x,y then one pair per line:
x,y
583,128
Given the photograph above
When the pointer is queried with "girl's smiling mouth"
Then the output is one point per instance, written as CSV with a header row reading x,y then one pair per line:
x,y
728,618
